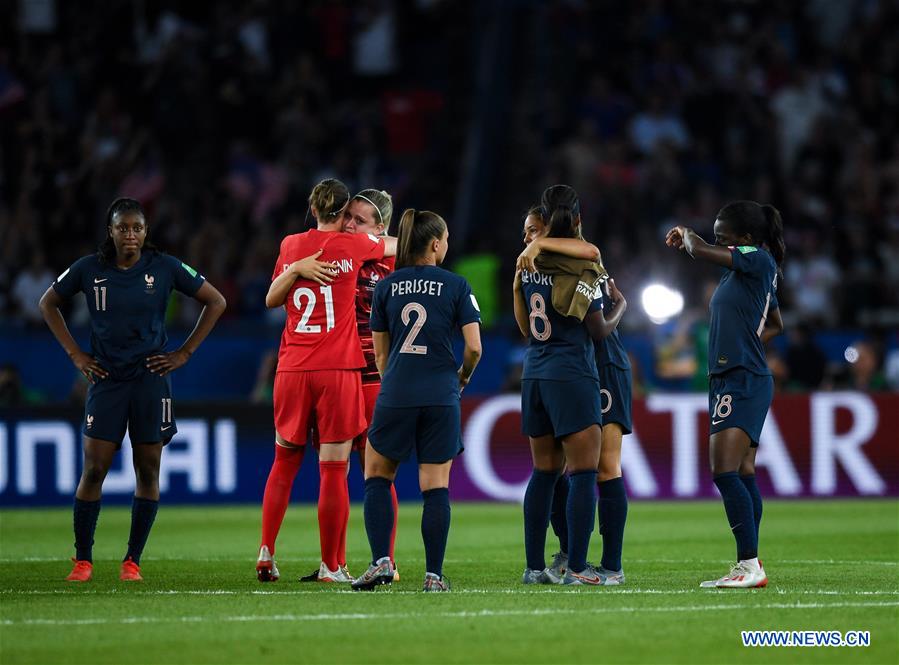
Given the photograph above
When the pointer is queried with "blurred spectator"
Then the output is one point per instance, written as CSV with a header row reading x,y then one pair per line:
x,y
805,361
812,277
265,378
864,370
658,124
28,288
12,391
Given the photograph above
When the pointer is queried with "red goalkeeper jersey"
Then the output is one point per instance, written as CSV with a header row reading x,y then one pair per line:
x,y
369,277
320,331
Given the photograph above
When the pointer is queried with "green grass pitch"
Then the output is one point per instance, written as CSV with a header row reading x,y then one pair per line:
x,y
833,565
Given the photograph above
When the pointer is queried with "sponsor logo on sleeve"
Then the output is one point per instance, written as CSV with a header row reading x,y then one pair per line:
x,y
746,249
191,271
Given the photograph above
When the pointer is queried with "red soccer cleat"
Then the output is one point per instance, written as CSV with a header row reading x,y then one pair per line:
x,y
82,572
130,571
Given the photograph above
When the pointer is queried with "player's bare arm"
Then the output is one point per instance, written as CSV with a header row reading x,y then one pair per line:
x,y
519,306
600,325
214,305
310,268
389,245
573,247
686,239
774,326
381,342
471,334
84,362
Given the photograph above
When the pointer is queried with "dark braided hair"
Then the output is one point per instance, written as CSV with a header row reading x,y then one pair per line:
x,y
106,252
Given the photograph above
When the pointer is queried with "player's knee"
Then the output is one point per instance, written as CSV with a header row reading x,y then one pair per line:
x,y
93,473
608,471
147,475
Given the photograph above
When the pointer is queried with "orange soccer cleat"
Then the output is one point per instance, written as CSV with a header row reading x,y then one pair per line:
x,y
130,571
83,571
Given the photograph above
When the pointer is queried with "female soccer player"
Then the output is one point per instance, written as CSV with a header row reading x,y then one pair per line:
x,y
744,316
318,374
415,313
616,392
127,286
562,417
369,211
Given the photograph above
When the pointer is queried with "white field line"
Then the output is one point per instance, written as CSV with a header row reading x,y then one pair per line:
x,y
417,616
77,591
312,561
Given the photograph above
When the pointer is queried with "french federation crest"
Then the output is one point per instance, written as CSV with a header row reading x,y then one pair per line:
x,y
149,279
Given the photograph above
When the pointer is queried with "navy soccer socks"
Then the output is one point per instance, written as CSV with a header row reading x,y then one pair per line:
x,y
378,511
557,516
435,524
537,505
612,516
740,515
753,489
85,515
581,511
143,514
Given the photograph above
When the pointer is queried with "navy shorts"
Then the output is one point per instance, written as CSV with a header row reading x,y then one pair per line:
x,y
739,398
616,396
559,408
143,406
434,433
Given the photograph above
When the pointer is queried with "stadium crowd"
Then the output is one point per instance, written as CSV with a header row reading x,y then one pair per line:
x,y
219,117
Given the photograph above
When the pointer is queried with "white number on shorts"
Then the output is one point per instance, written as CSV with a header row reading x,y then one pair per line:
x,y
723,406
605,393
303,326
421,317
100,298
166,409
538,312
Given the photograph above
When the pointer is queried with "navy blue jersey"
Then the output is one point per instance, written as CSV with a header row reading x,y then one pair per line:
x,y
610,351
559,347
739,308
127,307
421,307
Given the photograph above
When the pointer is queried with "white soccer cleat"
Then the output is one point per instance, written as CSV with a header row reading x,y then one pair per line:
x,y
557,569
266,570
747,574
340,576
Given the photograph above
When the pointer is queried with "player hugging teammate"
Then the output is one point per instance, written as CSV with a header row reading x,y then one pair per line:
x,y
559,305
318,381
319,385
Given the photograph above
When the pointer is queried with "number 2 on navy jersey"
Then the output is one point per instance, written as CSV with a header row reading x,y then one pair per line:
x,y
303,292
421,315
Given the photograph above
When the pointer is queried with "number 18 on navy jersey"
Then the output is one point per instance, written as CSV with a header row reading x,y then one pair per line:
x,y
421,307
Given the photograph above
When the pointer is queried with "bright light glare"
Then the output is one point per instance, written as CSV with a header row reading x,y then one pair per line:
x,y
661,303
851,354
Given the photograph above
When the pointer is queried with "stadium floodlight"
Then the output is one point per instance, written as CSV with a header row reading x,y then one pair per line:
x,y
661,302
851,354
